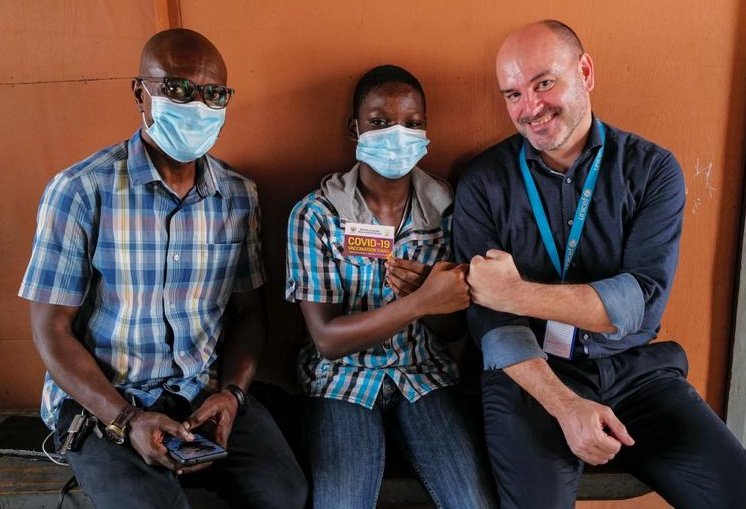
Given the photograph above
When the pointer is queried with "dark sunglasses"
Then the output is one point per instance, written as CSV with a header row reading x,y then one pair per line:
x,y
180,90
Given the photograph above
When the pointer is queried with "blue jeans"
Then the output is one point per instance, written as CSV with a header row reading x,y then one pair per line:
x,y
346,447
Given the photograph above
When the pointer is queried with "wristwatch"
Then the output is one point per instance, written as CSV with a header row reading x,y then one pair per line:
x,y
116,430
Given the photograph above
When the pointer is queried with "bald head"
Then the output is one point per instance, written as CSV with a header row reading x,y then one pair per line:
x,y
546,79
547,35
181,52
565,34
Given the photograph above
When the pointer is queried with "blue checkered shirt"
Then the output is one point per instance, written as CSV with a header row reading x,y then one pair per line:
x,y
151,273
319,271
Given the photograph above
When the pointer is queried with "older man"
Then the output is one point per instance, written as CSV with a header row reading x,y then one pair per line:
x,y
572,229
144,282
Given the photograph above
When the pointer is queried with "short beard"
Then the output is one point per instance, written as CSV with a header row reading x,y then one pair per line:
x,y
570,124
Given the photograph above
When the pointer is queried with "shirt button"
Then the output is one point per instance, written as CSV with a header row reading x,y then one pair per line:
x,y
176,257
568,180
585,335
569,222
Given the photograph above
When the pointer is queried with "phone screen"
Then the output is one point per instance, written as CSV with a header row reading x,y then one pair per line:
x,y
198,451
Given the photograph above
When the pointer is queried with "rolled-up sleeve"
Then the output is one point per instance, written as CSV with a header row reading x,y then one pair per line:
x,y
624,303
508,345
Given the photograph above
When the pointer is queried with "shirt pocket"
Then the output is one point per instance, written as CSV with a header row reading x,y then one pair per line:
x,y
360,277
211,275
425,247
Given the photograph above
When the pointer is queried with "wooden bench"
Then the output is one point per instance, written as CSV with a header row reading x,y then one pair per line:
x,y
605,482
29,481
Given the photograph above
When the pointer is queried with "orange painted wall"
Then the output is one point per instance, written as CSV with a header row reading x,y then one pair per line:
x,y
64,81
669,70
664,69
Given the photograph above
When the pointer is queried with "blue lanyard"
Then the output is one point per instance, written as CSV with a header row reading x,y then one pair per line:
x,y
581,212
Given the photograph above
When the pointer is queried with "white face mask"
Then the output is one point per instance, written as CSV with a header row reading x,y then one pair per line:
x,y
185,132
392,152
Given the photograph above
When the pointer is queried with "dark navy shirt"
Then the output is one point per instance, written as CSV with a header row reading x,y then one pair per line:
x,y
628,250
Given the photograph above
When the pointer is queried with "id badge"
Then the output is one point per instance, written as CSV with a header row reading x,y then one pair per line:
x,y
369,240
559,339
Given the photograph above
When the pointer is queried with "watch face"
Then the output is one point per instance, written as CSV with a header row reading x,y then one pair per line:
x,y
115,435
116,431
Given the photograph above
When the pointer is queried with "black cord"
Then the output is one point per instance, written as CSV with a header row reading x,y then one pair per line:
x,y
70,484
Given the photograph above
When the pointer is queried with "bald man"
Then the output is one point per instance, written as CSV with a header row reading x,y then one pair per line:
x,y
144,286
572,230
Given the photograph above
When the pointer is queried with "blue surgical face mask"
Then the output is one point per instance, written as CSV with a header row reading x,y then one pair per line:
x,y
185,132
392,152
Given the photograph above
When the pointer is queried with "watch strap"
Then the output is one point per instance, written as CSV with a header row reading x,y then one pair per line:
x,y
116,430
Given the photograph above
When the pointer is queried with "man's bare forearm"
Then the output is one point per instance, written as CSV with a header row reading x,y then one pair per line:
x,y
537,378
577,305
71,366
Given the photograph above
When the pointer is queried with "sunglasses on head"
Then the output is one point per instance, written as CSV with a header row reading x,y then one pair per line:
x,y
180,90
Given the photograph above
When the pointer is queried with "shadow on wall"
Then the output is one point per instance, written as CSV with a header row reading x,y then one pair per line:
x,y
320,146
717,386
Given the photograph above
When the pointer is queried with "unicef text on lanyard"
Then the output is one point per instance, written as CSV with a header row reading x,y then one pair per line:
x,y
559,337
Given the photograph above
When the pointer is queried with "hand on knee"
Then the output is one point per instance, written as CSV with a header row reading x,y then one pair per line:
x,y
593,433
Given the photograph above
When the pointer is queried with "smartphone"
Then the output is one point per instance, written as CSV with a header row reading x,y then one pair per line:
x,y
191,453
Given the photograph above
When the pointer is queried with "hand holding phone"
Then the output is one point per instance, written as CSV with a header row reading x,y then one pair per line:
x,y
200,450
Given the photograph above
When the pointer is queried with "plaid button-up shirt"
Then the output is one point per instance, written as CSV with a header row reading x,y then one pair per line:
x,y
150,272
319,271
